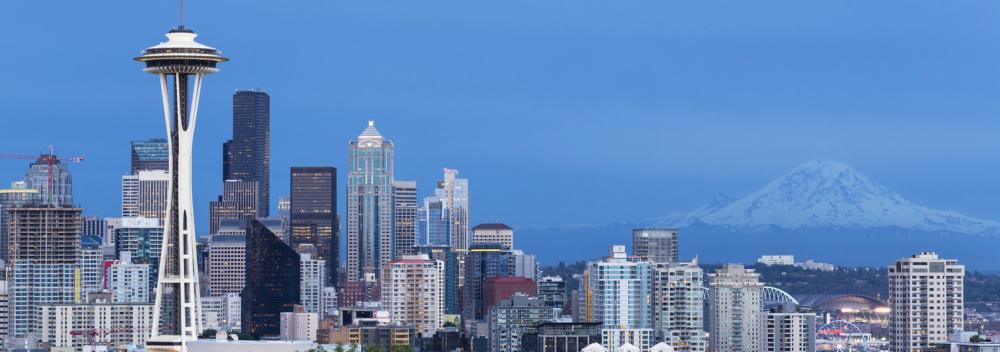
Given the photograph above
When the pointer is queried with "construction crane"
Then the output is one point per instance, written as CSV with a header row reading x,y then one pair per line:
x,y
51,159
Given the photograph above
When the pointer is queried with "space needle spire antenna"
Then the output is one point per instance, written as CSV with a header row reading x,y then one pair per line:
x,y
181,64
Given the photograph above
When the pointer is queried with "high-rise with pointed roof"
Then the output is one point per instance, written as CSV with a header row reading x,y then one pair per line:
x,y
369,205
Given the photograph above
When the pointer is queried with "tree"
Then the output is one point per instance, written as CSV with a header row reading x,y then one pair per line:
x,y
402,348
374,349
352,348
338,348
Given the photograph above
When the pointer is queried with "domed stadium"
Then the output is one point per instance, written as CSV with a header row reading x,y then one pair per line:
x,y
849,307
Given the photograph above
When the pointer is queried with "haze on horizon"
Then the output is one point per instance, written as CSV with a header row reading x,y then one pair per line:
x,y
558,113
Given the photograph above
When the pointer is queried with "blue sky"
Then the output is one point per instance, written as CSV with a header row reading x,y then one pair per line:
x,y
559,112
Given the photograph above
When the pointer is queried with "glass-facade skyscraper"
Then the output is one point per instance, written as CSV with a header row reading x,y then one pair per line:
x,y
247,157
405,222
370,204
454,195
273,281
57,191
313,215
150,154
434,223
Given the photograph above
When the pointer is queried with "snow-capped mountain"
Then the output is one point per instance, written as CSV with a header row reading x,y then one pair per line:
x,y
826,194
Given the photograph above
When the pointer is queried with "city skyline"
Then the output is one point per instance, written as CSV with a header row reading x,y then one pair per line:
x,y
712,131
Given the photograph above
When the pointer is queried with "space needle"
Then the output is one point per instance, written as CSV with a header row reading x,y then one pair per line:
x,y
181,64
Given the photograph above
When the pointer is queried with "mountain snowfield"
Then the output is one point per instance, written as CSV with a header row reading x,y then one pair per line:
x,y
826,194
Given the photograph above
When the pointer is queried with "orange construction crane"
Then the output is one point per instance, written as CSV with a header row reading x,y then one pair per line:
x,y
51,159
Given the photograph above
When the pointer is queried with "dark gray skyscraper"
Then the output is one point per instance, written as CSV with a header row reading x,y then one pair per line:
x,y
247,157
273,281
657,245
405,217
150,154
314,215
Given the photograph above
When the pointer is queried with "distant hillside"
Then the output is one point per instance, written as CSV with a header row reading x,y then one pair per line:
x,y
865,280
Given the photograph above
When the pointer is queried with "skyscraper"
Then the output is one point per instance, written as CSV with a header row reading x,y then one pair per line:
x,y
274,270
226,264
450,259
369,205
16,196
655,245
180,61
313,213
248,154
735,309
481,263
312,276
678,302
145,194
926,299
239,201
454,193
413,292
43,253
54,186
150,154
405,195
434,222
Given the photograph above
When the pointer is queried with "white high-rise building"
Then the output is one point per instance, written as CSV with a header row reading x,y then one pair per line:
x,y
413,292
129,323
926,296
91,264
330,305
678,301
620,286
312,275
734,312
145,194
221,313
181,65
226,264
298,325
788,328
129,282
524,264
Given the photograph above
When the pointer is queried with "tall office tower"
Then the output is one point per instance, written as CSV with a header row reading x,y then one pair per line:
x,y
150,154
91,265
789,328
926,298
734,312
369,205
4,313
18,195
678,302
145,194
444,254
511,318
454,193
313,215
237,202
413,292
405,217
435,224
142,239
43,252
226,264
552,291
655,245
481,263
248,154
274,270
184,63
493,233
312,277
51,177
127,281
620,287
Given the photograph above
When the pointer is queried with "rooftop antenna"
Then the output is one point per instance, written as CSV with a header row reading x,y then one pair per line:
x,y
182,13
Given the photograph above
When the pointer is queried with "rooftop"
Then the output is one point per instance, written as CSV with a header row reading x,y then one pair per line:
x,y
491,226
